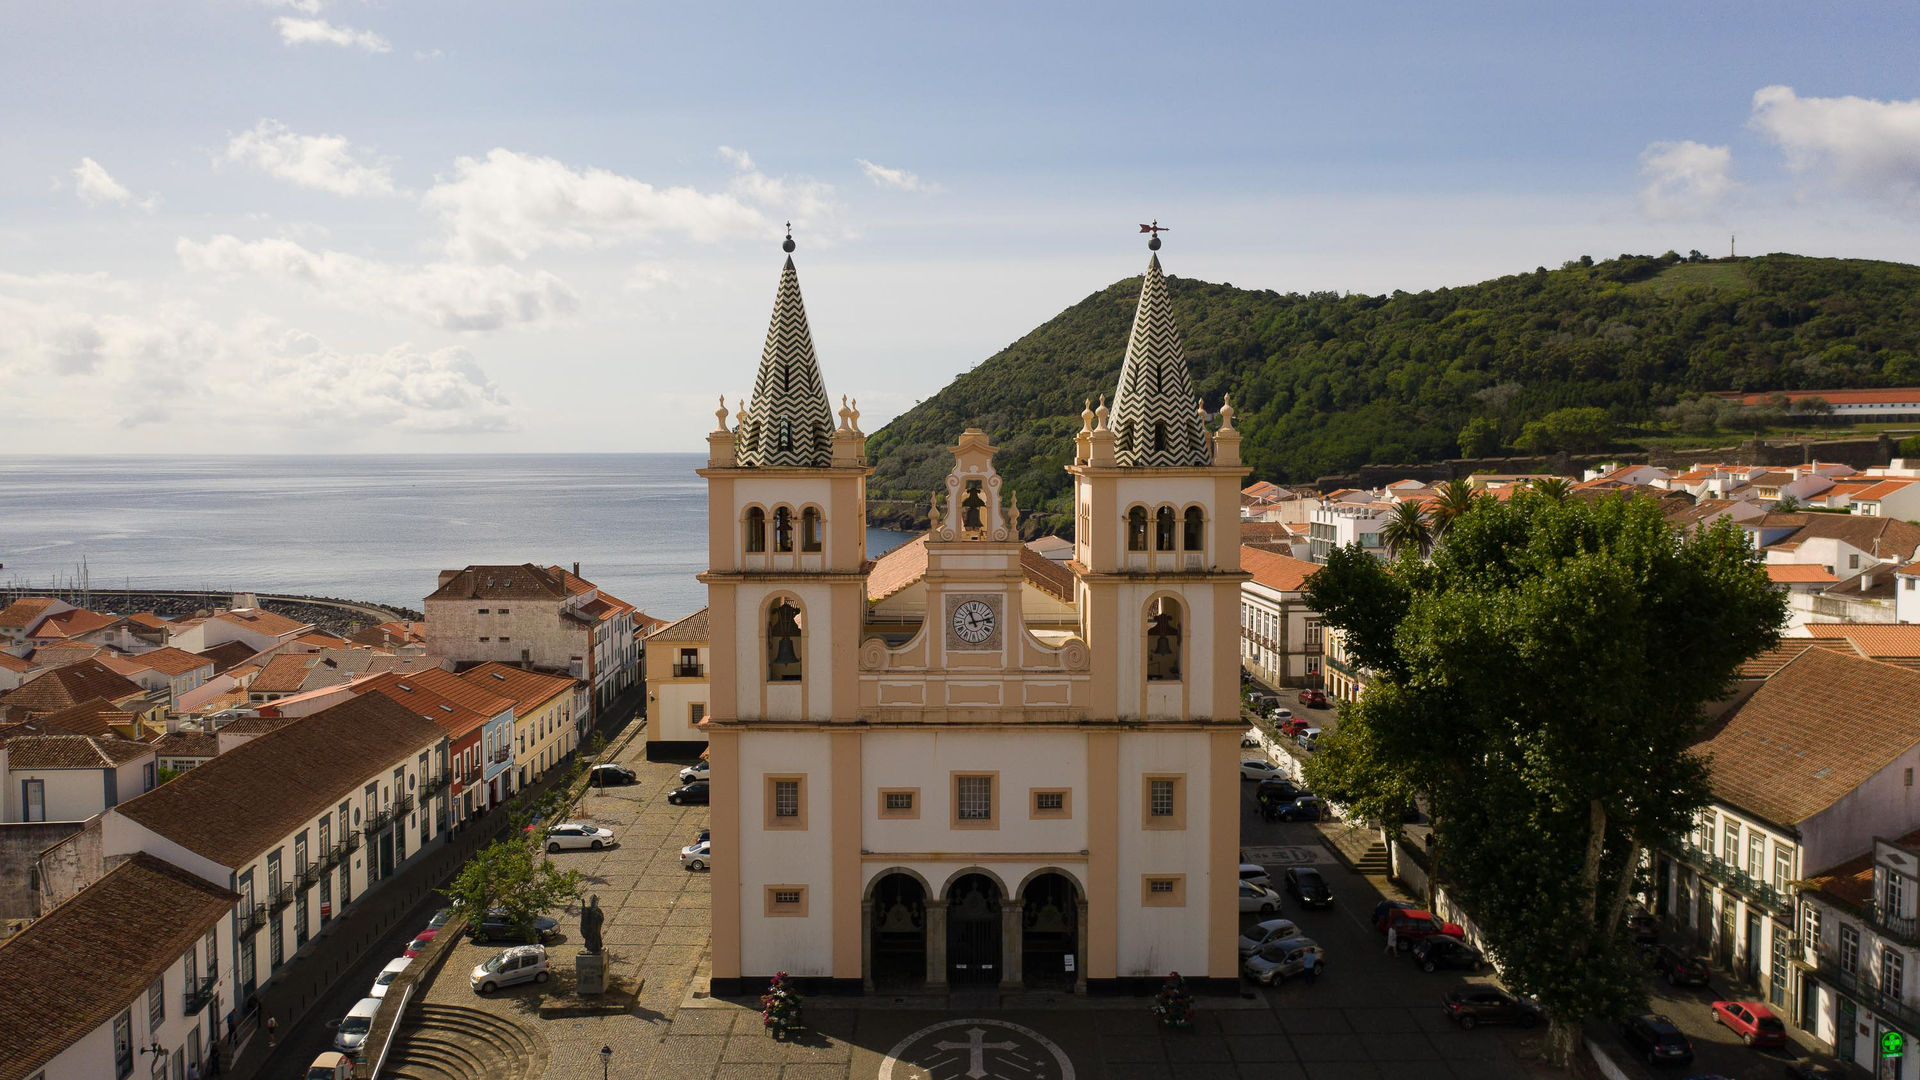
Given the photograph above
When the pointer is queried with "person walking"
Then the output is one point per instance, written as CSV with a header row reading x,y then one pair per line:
x,y
1393,941
273,1029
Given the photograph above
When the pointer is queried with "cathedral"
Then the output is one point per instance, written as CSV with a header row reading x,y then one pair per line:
x,y
965,764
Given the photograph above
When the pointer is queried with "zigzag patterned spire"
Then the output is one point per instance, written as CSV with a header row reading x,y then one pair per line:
x,y
789,424
1156,416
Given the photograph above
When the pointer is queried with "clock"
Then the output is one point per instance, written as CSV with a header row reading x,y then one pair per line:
x,y
973,622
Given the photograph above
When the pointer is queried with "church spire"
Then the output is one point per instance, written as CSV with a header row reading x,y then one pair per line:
x,y
789,423
1156,416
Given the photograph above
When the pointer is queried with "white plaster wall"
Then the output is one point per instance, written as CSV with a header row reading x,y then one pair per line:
x,y
927,760
1882,806
71,794
798,945
1156,940
1906,598
784,699
120,836
1195,689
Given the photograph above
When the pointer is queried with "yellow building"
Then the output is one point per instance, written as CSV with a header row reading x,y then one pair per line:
x,y
677,688
545,728
977,770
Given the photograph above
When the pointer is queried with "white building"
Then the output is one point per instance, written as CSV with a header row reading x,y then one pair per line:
x,y
976,796
535,616
1281,639
1336,524
74,777
1859,941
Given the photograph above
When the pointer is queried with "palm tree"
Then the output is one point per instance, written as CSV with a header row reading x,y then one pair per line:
x,y
1553,487
1407,527
1455,498
1786,504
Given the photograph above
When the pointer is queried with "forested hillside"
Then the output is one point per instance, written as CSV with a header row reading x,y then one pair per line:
x,y
1589,355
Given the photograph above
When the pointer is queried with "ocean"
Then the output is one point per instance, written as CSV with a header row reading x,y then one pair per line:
x,y
363,527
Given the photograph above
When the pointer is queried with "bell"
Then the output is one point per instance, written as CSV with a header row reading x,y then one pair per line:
x,y
784,654
1163,644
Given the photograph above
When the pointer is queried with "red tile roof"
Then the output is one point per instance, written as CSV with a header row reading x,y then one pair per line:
x,y
79,966
528,689
64,687
1791,573
1275,571
1879,641
186,744
72,624
1851,882
523,582
94,717
10,662
687,628
227,655
166,660
1896,396
23,612
261,621
1882,489
72,752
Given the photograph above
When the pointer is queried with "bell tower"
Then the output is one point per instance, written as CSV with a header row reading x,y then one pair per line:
x,y
786,542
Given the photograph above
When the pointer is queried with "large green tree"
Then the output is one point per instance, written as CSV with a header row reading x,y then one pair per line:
x,y
1539,684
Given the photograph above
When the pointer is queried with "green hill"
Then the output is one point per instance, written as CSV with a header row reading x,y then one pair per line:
x,y
1325,382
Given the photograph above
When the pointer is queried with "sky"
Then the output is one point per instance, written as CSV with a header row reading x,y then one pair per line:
x,y
380,226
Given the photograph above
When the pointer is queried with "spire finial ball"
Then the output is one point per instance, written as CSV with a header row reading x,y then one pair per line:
x,y
1153,244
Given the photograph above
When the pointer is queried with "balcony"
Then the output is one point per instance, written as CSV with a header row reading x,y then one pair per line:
x,y
1859,986
433,784
197,996
470,777
402,806
1906,930
689,671
1732,877
501,755
377,821
349,844
252,919
282,897
308,876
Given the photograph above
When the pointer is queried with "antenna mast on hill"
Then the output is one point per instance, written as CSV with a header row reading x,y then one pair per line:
x,y
1729,245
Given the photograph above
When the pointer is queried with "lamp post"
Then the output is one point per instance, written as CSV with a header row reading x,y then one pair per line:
x,y
606,1061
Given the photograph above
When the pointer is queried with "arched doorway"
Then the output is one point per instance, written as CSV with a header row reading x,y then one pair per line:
x,y
973,930
1050,931
899,912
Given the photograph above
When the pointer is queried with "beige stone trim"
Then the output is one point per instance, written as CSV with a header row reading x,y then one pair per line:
x,y
1178,818
1037,813
911,812
799,819
786,901
1163,890
992,820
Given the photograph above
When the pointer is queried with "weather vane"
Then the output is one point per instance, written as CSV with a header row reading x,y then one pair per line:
x,y
1156,229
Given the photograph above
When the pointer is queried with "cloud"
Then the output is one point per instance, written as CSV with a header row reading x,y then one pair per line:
x,y
1857,144
449,295
321,32
307,7
897,179
646,277
1684,178
157,363
509,205
321,162
95,185
806,202
739,159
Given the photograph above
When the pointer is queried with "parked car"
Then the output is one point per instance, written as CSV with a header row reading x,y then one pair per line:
x,y
610,775
697,855
352,1032
1309,887
572,835
694,794
331,1065
1441,951
1471,1006
1258,769
1314,699
697,771
1278,789
1643,928
1655,1038
705,835
1381,909
498,927
1279,712
510,967
1258,898
1753,1022
419,943
1304,808
1261,700
387,975
440,918
1411,925
1280,960
1679,967
1307,738
1255,874
1262,933
1294,727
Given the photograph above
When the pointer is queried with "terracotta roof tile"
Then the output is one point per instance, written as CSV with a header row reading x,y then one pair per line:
x,y
1882,489
1851,882
227,655
688,628
523,582
1887,538
10,662
72,624
1879,641
73,970
454,717
71,752
528,689
897,569
1818,728
1046,575
95,717
261,621
249,798
23,612
1796,573
179,744
1282,572
67,686
1772,660
149,620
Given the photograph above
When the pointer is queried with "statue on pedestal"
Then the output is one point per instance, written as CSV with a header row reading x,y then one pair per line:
x,y
591,919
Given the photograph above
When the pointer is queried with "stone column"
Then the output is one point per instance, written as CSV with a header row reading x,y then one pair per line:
x,y
866,945
1011,944
1080,946
936,944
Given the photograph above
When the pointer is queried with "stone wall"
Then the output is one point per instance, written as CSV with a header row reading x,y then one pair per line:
x,y
70,864
21,843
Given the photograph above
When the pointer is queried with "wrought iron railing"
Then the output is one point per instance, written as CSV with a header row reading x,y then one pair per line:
x,y
1864,990
1732,876
377,821
198,995
500,756
689,671
308,876
403,806
1907,930
253,918
282,897
432,784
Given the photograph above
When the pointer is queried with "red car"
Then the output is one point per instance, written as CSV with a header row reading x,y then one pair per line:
x,y
1412,924
1315,698
1294,727
419,944
1753,1022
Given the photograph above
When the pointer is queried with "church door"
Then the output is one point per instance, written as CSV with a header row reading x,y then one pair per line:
x,y
973,931
899,955
1050,932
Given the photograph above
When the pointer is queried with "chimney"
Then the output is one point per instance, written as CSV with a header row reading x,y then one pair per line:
x,y
446,576
576,569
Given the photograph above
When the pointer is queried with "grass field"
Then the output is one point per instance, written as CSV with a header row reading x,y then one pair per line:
x,y
1727,276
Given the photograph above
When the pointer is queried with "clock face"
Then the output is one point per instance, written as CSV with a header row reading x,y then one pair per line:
x,y
973,622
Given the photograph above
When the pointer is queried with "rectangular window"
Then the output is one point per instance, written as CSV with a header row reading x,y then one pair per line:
x,y
212,949
1849,948
1893,899
1782,866
1809,925
33,800
484,640
696,712
1052,803
123,1045
1731,852
789,901
156,1006
506,611
504,639
1756,857
1893,973
1163,802
1163,890
786,802
973,801
484,611
900,802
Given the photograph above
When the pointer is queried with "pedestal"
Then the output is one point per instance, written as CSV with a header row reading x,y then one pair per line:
x,y
590,974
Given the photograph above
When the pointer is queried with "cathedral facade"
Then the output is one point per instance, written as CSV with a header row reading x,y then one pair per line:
x,y
965,764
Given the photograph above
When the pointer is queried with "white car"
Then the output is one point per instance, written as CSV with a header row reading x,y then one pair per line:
x,y
699,770
1280,712
1262,933
388,974
1307,738
697,856
1258,769
510,967
1255,873
1258,898
574,835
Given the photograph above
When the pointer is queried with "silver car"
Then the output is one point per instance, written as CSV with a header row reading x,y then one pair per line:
x,y
699,770
1265,932
510,967
573,835
1279,960
1258,898
387,975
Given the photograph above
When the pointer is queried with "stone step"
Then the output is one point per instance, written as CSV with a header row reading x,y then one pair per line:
x,y
1374,861
481,1025
456,1042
